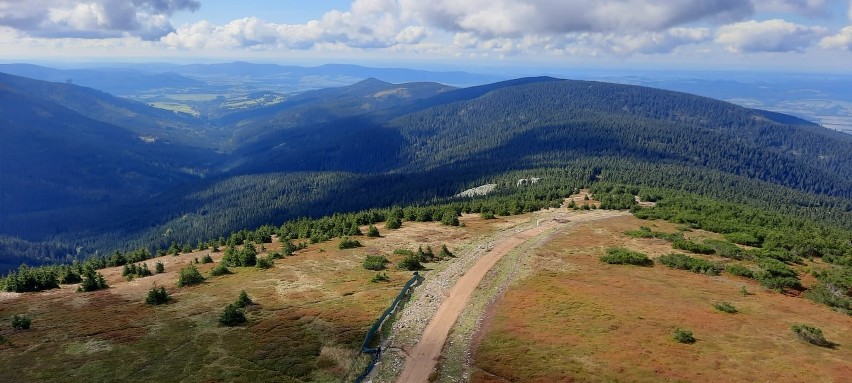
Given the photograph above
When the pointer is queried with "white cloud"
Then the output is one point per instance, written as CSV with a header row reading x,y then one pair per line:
x,y
842,40
507,18
148,19
811,8
767,36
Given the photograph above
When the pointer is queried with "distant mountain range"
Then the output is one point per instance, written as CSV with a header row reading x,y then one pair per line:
x,y
84,168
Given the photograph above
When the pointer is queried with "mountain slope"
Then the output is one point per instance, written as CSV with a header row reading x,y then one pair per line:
x,y
94,183
53,156
544,122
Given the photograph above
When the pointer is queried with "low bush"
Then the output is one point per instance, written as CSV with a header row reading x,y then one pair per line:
x,y
776,275
685,262
622,256
375,262
159,267
692,247
683,336
724,248
743,239
189,276
739,270
206,259
812,335
411,263
347,243
393,223
265,262
380,277
725,307
220,269
21,322
445,252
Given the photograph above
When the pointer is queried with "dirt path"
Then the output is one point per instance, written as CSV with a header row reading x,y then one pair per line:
x,y
421,360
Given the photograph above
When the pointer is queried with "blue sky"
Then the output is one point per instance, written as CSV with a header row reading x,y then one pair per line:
x,y
778,35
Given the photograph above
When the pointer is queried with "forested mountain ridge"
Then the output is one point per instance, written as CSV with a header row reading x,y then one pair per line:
x,y
60,149
99,186
543,122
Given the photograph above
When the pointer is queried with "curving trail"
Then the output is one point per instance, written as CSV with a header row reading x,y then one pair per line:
x,y
421,360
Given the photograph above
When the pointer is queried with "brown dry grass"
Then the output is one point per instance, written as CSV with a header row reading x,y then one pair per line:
x,y
312,311
587,321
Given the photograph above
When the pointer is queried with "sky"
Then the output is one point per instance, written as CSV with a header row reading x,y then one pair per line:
x,y
772,35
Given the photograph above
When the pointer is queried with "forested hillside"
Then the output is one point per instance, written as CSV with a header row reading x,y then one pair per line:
x,y
96,185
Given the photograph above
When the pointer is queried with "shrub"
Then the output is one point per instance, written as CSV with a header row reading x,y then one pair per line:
x,y
812,335
265,262
243,300
373,232
206,259
157,296
91,281
375,262
692,247
347,243
380,277
159,267
683,336
739,270
622,256
411,263
743,239
643,232
393,223
232,316
450,218
445,252
21,322
725,307
403,252
724,248
220,269
486,214
189,276
829,295
776,275
685,262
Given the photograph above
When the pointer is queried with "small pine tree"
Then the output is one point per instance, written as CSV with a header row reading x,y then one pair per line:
x,y
157,296
373,232
207,259
159,267
232,316
21,322
243,300
91,281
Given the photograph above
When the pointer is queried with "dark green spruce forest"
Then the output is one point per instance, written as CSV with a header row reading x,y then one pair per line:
x,y
90,180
